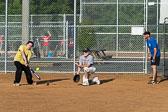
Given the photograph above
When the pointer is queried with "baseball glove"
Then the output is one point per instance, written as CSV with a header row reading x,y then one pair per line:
x,y
76,78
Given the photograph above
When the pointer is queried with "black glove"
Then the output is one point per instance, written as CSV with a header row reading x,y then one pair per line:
x,y
76,78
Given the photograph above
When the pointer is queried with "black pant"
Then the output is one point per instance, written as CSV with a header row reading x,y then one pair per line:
x,y
19,68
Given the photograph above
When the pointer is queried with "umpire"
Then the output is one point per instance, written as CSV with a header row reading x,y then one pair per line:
x,y
21,61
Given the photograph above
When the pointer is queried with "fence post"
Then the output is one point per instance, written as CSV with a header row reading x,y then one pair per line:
x,y
25,21
6,34
74,34
66,40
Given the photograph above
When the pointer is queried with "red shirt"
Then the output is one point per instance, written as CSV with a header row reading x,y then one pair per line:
x,y
70,44
45,40
62,43
0,40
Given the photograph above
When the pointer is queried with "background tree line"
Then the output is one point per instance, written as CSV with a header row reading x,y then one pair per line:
x,y
129,14
39,6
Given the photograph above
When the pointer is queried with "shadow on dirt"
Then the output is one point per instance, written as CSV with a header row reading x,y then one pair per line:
x,y
106,81
101,82
48,81
163,79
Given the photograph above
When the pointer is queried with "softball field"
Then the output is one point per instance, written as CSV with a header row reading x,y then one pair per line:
x,y
117,93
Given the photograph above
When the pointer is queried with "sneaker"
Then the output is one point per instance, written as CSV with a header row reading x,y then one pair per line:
x,y
153,82
96,80
16,84
157,82
34,83
85,83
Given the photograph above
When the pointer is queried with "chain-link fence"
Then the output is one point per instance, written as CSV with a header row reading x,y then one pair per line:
x,y
57,51
105,26
165,51
113,22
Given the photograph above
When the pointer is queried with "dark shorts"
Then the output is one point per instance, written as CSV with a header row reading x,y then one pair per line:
x,y
45,48
157,61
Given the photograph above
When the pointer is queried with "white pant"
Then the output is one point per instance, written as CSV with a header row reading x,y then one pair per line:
x,y
90,70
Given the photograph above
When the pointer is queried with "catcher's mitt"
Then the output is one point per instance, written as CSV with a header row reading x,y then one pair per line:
x,y
76,78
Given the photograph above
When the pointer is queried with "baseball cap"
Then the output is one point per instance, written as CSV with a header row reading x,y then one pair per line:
x,y
146,32
86,50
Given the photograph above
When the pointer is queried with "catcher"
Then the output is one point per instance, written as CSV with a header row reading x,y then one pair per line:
x,y
86,62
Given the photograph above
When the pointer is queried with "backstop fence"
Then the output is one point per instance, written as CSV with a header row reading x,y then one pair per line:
x,y
112,29
165,51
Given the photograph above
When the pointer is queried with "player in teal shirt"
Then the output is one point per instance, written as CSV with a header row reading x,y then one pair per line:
x,y
151,45
153,48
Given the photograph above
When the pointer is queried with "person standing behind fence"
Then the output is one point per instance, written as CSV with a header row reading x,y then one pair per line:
x,y
21,61
153,48
36,48
61,47
70,47
46,43
1,42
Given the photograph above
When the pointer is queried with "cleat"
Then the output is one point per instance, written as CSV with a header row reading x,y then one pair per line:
x,y
16,84
96,80
153,82
34,83
85,83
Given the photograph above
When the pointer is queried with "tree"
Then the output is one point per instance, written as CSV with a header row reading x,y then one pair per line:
x,y
51,6
39,6
2,7
86,38
15,7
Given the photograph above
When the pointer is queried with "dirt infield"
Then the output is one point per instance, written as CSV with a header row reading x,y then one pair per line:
x,y
117,93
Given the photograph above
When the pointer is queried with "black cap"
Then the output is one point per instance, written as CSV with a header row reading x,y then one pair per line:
x,y
86,50
146,33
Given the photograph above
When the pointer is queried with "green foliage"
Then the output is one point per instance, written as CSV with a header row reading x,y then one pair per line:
x,y
51,6
86,38
15,7
2,7
131,14
39,7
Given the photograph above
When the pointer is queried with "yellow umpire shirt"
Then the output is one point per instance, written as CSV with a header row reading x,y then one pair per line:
x,y
18,56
